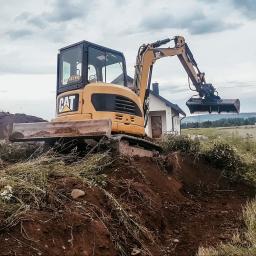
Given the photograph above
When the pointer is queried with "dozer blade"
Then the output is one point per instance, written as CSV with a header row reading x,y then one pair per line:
x,y
220,105
53,130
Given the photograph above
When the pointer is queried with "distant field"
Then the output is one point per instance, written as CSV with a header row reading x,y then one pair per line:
x,y
245,132
243,138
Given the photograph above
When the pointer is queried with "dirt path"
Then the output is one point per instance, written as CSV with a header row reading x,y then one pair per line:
x,y
168,208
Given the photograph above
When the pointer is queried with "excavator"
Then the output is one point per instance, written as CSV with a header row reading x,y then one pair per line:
x,y
93,100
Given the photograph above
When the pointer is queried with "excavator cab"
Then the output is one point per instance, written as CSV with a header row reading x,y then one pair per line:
x,y
85,63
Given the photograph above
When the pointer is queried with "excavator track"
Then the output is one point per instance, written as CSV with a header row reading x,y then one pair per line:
x,y
133,146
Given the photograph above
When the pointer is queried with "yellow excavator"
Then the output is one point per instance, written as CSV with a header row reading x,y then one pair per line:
x,y
94,101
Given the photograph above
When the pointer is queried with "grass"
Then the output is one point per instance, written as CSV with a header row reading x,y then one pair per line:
x,y
220,143
27,185
242,244
245,145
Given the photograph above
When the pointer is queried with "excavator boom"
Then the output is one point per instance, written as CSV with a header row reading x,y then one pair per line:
x,y
207,100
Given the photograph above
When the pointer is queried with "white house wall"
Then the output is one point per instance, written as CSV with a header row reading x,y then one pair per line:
x,y
169,124
176,124
155,104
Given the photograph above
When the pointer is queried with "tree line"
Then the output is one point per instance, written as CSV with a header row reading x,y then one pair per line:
x,y
224,122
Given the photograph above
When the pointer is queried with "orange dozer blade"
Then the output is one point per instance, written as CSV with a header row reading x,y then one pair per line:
x,y
55,130
219,106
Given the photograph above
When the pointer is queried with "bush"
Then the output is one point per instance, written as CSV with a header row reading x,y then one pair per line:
x,y
224,157
181,143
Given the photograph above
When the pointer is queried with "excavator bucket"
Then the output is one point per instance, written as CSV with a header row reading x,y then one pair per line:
x,y
55,130
219,106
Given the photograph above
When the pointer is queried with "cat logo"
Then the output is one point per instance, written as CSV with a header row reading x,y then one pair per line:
x,y
68,103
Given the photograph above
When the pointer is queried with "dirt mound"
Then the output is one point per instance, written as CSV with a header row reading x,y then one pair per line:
x,y
7,120
143,207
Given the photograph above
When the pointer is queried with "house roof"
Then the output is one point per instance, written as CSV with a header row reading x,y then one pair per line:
x,y
169,104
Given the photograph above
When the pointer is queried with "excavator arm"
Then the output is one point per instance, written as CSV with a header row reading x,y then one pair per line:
x,y
207,100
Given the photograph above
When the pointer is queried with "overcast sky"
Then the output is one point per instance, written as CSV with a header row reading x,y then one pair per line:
x,y
221,35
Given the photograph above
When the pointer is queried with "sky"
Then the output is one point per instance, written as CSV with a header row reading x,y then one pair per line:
x,y
220,33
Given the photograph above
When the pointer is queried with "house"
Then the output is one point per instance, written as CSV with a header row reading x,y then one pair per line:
x,y
164,116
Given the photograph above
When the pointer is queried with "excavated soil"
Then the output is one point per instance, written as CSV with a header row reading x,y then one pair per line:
x,y
176,203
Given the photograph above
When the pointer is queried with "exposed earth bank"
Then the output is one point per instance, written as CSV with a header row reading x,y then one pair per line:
x,y
144,207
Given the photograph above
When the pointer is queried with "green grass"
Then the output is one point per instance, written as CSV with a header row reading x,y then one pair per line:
x,y
244,145
234,155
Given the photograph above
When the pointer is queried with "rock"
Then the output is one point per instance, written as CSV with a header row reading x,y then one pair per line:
x,y
76,193
135,251
176,240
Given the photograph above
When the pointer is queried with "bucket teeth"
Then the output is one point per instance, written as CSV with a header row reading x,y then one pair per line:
x,y
219,106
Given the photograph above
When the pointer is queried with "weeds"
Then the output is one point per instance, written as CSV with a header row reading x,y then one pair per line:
x,y
225,157
27,185
218,153
181,143
133,228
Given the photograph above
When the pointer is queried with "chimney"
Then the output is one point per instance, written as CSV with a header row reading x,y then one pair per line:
x,y
155,88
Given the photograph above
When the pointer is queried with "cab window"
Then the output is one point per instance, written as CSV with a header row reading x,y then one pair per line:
x,y
105,67
114,69
71,66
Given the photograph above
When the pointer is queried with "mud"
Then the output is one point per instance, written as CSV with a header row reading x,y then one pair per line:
x,y
181,205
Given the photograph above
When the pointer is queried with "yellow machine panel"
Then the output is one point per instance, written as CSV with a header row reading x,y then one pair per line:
x,y
122,122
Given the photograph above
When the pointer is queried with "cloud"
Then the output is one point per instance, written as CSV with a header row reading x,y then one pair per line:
x,y
197,23
51,24
247,7
19,33
66,10
210,26
61,11
27,18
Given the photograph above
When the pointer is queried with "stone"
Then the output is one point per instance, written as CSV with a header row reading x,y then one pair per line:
x,y
76,193
135,251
